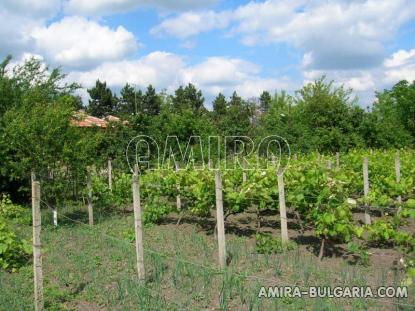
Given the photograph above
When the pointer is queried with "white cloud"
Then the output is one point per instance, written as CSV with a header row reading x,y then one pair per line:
x,y
189,24
400,66
108,7
167,71
32,8
338,34
220,71
358,80
400,58
18,19
160,69
78,42
222,74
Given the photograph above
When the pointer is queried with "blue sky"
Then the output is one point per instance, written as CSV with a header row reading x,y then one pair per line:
x,y
220,46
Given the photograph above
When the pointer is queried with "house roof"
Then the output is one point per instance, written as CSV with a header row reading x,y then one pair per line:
x,y
81,119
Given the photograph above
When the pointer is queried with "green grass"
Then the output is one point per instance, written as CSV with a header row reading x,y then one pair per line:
x,y
97,267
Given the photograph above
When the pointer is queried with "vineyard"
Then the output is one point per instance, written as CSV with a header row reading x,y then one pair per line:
x,y
346,226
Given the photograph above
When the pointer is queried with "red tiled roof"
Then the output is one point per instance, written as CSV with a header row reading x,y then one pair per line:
x,y
83,120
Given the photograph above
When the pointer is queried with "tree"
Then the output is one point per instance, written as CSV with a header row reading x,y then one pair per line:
x,y
400,101
131,101
188,98
219,105
235,100
102,102
265,101
387,126
151,102
330,115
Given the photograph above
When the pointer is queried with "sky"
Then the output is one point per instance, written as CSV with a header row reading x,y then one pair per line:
x,y
220,46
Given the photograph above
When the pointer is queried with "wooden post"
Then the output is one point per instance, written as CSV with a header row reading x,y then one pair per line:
x,y
178,198
366,188
283,211
295,157
138,225
329,164
55,217
220,220
110,174
90,208
37,254
398,176
337,160
244,172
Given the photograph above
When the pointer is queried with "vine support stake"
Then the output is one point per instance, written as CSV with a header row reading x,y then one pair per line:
x,y
138,225
178,198
55,217
282,208
244,178
366,188
37,251
220,220
329,164
398,176
110,174
337,160
90,208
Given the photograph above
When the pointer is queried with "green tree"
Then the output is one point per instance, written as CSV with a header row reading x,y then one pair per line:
x,y
235,100
401,102
265,101
151,102
102,102
331,116
131,101
188,98
219,106
386,126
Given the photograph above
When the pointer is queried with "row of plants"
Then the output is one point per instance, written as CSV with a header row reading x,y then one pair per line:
x,y
323,198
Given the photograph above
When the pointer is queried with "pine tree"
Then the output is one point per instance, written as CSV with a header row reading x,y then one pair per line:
x,y
151,102
265,101
219,105
102,102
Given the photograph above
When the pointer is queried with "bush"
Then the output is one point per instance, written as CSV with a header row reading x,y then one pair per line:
x,y
14,212
154,210
266,244
13,251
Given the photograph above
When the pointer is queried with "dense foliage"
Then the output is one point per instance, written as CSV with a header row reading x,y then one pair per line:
x,y
14,251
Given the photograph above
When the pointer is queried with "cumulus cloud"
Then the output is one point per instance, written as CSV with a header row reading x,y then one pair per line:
x,y
400,66
33,8
18,19
189,24
167,71
160,69
79,42
335,34
107,7
400,58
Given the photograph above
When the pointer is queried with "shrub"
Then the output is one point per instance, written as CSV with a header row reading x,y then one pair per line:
x,y
266,244
13,251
